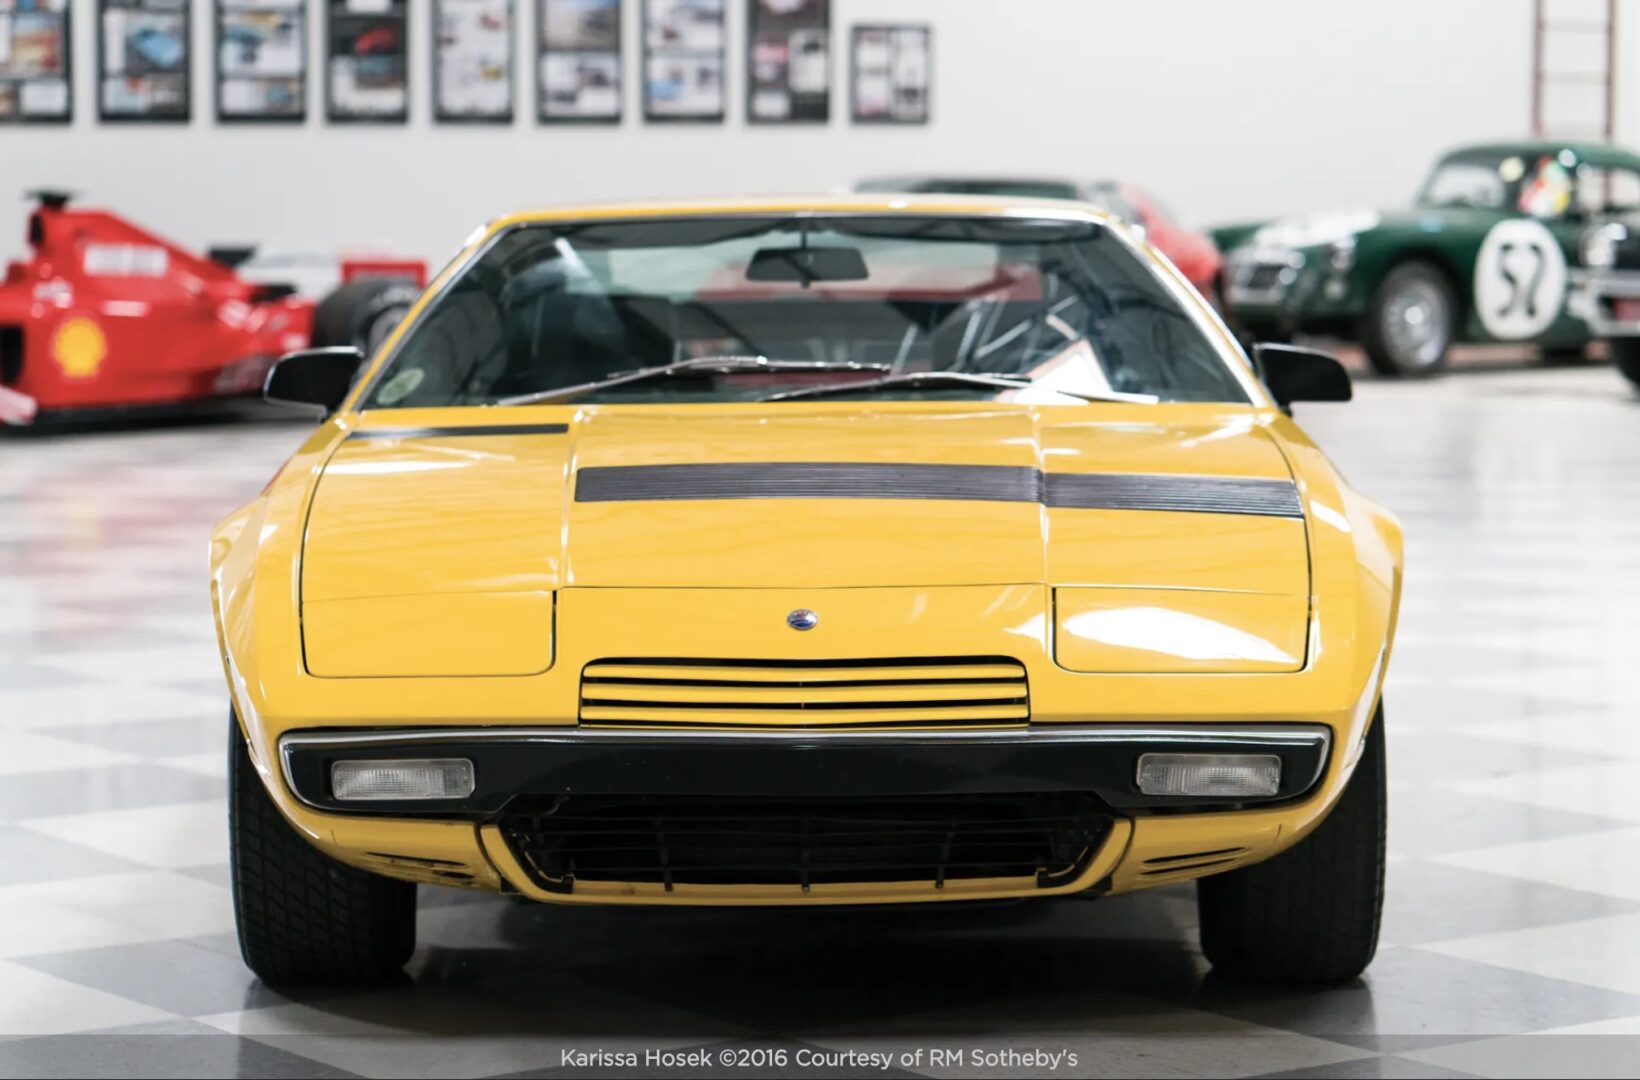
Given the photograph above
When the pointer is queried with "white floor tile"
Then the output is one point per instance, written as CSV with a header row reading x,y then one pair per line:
x,y
32,1003
1603,862
188,834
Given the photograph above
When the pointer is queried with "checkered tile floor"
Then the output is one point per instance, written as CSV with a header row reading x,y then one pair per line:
x,y
1512,940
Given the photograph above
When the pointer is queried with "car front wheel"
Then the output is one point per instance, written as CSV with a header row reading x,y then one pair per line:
x,y
1310,914
303,917
1411,323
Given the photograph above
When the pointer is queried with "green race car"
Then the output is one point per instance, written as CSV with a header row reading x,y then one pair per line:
x,y
1490,251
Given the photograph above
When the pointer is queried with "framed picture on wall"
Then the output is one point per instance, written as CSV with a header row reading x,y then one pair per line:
x,y
789,62
683,61
261,61
890,72
473,61
144,61
578,61
36,67
367,61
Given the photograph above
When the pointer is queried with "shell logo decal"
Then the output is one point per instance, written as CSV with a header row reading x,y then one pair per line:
x,y
79,348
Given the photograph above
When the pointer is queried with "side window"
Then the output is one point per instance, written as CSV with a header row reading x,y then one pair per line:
x,y
1607,191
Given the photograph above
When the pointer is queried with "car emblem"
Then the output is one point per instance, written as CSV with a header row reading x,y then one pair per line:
x,y
802,619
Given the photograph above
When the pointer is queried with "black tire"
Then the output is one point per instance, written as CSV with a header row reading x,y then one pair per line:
x,y
305,919
1309,915
1626,355
1390,354
361,313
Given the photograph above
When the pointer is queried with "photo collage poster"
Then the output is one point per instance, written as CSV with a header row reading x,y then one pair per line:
x,y
578,61
35,68
144,57
684,53
473,61
891,71
261,60
367,61
789,42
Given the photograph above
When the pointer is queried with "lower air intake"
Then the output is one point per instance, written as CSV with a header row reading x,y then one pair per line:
x,y
801,842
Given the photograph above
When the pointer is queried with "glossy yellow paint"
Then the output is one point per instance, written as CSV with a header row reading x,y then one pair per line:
x,y
1164,631
438,573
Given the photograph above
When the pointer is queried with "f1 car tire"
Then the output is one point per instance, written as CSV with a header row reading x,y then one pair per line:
x,y
303,917
1410,324
362,313
1309,915
1626,355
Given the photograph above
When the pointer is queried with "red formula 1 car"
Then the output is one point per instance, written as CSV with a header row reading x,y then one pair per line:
x,y
1194,253
105,316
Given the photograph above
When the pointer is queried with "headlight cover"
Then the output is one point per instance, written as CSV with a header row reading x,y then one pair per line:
x,y
1598,248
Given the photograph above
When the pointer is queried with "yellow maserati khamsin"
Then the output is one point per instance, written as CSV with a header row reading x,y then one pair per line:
x,y
878,550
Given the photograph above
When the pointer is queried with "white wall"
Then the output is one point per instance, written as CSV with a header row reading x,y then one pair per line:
x,y
1226,109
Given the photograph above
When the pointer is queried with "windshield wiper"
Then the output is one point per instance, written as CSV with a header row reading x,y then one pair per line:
x,y
956,378
699,365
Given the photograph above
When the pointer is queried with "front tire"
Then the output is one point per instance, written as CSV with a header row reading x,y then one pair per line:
x,y
1626,355
1309,915
1410,324
303,917
362,313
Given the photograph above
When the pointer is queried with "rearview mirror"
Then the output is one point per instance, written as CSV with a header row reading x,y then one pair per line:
x,y
807,265
314,378
1297,374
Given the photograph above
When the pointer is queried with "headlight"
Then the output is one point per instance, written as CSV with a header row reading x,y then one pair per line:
x,y
1341,255
1598,247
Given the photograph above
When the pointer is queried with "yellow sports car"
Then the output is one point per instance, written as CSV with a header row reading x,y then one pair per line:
x,y
872,550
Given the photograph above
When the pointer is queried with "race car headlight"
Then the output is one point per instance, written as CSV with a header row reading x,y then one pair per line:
x,y
1341,255
1598,248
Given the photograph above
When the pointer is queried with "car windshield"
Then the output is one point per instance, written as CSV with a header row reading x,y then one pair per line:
x,y
772,305
1470,183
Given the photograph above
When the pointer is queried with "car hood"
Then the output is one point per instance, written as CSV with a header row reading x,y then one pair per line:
x,y
657,498
1319,230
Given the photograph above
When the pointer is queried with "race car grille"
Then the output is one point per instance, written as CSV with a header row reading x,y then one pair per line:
x,y
802,842
1261,276
788,693
11,355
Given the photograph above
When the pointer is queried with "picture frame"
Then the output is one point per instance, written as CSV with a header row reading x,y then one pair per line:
x,y
261,61
145,61
37,64
474,69
788,62
367,61
579,62
684,59
891,73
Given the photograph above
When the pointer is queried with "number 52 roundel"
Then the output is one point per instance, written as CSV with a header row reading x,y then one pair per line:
x,y
1520,280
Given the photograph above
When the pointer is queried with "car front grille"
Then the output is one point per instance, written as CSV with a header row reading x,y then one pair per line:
x,y
796,693
11,355
1263,278
801,842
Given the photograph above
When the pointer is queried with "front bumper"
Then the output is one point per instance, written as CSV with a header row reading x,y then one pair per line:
x,y
1610,302
1099,760
709,817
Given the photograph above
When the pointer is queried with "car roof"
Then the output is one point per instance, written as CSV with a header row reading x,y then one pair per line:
x,y
864,204
1600,155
